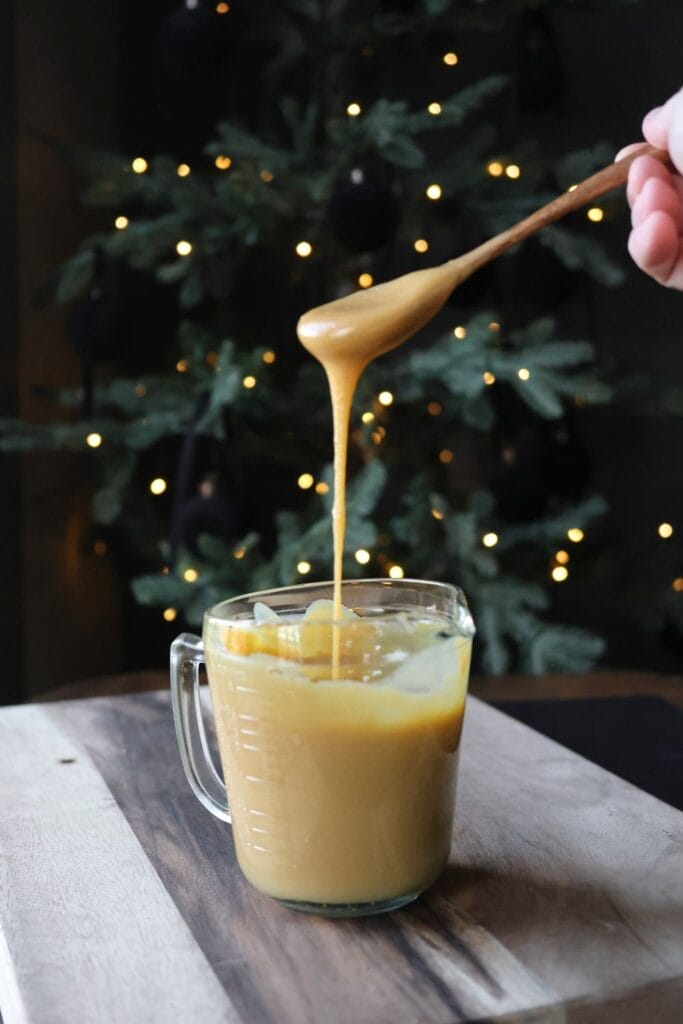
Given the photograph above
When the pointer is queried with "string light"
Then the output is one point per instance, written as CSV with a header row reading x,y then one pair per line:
x,y
434,109
460,332
140,390
523,373
249,382
303,249
575,534
560,573
165,570
665,530
353,109
678,584
434,408
239,553
562,557
513,171
182,365
365,280
305,481
446,456
385,398
182,170
222,162
269,357
321,487
121,223
362,556
222,8
139,165
433,191
266,176
183,248
190,575
495,168
494,326
303,567
211,359
100,548
489,540
368,417
572,188
437,513
421,245
595,214
158,485
451,59
170,614
396,572
93,440
489,378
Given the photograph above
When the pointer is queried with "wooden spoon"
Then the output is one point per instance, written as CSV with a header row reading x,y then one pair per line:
x,y
361,326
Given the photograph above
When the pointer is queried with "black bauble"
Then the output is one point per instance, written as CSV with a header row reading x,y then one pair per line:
x,y
363,213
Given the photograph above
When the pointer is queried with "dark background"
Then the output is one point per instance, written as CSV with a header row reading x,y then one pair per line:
x,y
84,73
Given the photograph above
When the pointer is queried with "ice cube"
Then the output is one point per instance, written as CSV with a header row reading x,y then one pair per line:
x,y
263,615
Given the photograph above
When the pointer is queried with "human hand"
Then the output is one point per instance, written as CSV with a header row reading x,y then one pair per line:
x,y
655,195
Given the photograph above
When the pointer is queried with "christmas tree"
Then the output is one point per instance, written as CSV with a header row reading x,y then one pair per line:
x,y
321,147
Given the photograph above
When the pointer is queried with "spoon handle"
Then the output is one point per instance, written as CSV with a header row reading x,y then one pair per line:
x,y
603,181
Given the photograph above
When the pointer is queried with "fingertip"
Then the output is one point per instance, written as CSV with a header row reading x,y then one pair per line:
x,y
654,245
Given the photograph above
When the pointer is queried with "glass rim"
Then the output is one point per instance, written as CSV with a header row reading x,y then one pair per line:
x,y
460,618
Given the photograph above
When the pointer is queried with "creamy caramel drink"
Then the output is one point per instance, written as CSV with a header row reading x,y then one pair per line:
x,y
341,790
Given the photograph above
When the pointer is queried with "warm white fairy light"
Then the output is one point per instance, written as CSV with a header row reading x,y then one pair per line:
x,y
222,8
560,573
460,332
677,584
249,382
433,191
665,530
121,223
595,214
303,567
489,540
420,245
93,440
434,408
367,417
303,249
446,456
562,557
575,534
437,513
385,398
158,485
305,481
190,575
353,109
488,377
513,171
266,176
100,548
139,165
572,188
396,572
183,248
523,373
494,326
182,170
170,614
182,365
434,109
321,487
239,553
269,357
495,168
450,58
365,280
362,556
223,162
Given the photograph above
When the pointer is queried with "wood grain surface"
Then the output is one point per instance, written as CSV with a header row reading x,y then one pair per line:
x,y
563,900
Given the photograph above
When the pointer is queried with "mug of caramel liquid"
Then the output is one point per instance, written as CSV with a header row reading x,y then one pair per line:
x,y
339,768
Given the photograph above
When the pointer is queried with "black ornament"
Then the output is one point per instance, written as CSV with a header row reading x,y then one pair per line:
x,y
207,512
363,212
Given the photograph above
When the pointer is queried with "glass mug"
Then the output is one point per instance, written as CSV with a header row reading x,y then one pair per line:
x,y
341,790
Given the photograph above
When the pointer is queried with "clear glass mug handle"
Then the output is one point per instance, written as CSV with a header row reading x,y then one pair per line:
x,y
187,654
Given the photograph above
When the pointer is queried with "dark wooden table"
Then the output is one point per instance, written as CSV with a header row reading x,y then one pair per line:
x,y
120,898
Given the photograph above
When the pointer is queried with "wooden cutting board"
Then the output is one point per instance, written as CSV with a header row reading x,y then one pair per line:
x,y
121,900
